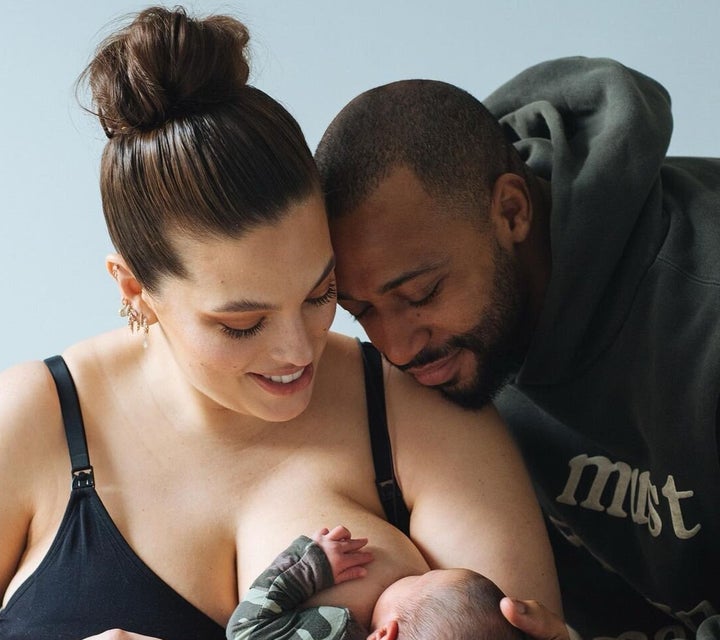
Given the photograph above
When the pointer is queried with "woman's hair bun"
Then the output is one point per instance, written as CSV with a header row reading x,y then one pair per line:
x,y
166,65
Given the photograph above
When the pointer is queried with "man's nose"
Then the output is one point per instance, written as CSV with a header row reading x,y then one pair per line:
x,y
399,338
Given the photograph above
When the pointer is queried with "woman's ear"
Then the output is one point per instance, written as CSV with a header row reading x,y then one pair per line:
x,y
388,631
511,209
130,288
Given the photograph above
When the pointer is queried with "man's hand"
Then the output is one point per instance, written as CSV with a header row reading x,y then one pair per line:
x,y
534,619
344,553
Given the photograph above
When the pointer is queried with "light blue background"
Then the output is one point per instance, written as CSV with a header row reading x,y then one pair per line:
x,y
311,55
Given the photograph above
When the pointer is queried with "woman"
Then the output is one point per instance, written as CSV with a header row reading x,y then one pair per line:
x,y
234,417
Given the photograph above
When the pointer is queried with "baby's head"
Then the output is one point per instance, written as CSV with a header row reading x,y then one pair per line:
x,y
445,603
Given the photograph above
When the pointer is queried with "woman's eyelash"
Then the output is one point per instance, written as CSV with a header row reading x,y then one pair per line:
x,y
238,334
326,297
243,333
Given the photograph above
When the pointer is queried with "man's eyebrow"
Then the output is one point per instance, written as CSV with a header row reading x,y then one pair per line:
x,y
243,304
401,279
409,275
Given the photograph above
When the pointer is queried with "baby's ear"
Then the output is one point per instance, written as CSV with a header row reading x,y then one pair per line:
x,y
388,631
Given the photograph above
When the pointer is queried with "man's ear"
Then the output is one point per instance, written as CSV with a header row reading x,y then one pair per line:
x,y
388,631
511,209
129,286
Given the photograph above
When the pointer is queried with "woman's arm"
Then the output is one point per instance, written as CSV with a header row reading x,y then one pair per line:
x,y
472,504
34,474
21,405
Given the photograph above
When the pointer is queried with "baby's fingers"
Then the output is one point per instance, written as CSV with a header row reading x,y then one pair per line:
x,y
355,570
353,544
318,535
339,533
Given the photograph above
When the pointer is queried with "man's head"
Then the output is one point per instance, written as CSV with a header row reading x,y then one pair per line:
x,y
429,208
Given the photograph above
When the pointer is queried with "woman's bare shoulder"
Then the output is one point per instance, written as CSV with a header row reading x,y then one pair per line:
x,y
30,415
31,435
27,393
340,373
412,403
342,354
344,346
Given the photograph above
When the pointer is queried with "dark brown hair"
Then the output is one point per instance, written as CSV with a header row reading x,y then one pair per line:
x,y
192,147
443,134
466,609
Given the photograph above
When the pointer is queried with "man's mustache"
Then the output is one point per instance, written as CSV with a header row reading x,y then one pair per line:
x,y
430,355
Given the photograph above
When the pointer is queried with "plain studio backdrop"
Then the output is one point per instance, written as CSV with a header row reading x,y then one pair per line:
x,y
313,56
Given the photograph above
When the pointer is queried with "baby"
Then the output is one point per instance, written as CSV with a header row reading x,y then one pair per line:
x,y
444,603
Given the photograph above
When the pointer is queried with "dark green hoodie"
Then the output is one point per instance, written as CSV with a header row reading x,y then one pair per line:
x,y
616,404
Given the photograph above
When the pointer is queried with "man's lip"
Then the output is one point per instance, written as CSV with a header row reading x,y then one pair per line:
x,y
435,372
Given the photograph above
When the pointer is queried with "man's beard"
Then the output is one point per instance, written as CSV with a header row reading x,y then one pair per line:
x,y
496,340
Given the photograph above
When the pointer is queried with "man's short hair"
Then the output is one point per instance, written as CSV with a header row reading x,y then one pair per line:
x,y
443,134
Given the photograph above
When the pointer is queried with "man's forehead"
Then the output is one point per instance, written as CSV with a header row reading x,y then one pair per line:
x,y
379,263
399,190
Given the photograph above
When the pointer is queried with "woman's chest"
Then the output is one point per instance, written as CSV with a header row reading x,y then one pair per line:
x,y
208,523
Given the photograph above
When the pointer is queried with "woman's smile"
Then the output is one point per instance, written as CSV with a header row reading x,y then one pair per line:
x,y
285,384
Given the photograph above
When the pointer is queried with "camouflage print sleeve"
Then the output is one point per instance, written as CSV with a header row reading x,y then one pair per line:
x,y
270,610
709,629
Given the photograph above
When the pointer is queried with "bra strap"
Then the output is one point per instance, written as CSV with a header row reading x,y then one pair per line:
x,y
387,486
82,471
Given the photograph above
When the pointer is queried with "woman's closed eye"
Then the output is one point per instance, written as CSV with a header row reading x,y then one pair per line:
x,y
329,296
243,333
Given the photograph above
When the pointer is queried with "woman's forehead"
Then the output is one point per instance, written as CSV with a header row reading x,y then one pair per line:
x,y
294,252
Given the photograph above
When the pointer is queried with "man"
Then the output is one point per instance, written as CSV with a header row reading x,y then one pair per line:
x,y
560,250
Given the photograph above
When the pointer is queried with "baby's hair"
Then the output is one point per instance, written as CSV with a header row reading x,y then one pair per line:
x,y
465,609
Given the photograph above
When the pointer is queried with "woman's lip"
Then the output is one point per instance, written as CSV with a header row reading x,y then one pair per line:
x,y
437,372
286,377
285,388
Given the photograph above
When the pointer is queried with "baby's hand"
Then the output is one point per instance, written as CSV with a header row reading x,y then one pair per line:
x,y
344,553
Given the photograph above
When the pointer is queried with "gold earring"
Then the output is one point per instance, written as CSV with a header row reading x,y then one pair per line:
x,y
137,321
145,329
126,310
